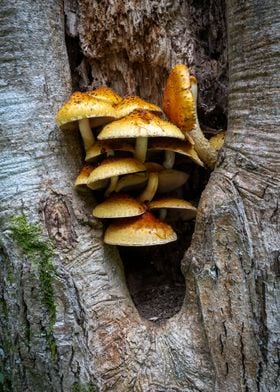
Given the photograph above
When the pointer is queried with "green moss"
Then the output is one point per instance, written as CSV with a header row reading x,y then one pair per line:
x,y
29,238
88,387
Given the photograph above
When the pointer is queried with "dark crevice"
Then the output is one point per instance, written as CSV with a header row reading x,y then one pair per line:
x,y
153,274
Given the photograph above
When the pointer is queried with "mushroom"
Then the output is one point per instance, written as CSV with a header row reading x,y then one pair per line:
x,y
112,168
84,111
168,180
82,178
150,190
131,103
173,203
106,94
107,147
143,230
140,125
180,105
173,146
118,205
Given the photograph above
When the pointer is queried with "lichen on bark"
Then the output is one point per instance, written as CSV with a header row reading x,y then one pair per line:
x,y
39,252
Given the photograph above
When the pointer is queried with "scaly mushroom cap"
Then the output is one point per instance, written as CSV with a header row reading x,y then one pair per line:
x,y
82,178
132,103
107,146
178,146
118,206
144,230
106,94
114,167
178,103
174,203
140,124
217,141
83,105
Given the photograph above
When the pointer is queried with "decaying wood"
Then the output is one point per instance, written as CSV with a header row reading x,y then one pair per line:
x,y
225,336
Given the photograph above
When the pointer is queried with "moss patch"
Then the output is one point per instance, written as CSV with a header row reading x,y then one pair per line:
x,y
88,387
40,251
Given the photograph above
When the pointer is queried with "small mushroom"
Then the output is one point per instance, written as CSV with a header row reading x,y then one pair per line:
x,y
84,111
143,230
82,179
132,103
112,168
140,125
150,190
174,146
131,182
106,94
107,147
165,203
180,105
118,205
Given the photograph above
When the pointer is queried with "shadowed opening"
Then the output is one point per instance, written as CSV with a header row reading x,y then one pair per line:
x,y
153,273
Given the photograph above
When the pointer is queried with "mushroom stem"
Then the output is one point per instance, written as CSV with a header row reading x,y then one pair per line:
x,y
112,186
201,144
151,188
141,148
86,133
169,159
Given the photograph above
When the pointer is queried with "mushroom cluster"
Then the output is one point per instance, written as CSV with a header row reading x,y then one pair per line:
x,y
130,152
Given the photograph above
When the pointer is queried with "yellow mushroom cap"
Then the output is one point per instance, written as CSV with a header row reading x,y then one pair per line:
x,y
82,105
140,124
132,103
114,167
118,206
144,230
217,140
178,146
107,146
174,203
106,94
82,179
178,103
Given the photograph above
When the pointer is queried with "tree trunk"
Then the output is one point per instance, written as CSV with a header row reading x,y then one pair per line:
x,y
68,322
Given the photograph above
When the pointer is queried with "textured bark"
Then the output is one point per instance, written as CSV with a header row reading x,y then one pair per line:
x,y
225,336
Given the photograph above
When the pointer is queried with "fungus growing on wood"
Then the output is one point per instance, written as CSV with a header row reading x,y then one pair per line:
x,y
84,111
173,203
133,103
180,105
107,147
111,169
118,205
140,125
144,230
82,179
172,147
106,94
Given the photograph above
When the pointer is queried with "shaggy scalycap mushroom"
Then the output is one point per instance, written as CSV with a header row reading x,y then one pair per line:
x,y
144,230
140,125
84,111
180,105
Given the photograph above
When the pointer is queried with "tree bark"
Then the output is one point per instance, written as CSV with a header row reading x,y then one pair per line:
x,y
67,319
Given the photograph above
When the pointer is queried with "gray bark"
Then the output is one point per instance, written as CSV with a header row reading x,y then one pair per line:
x,y
225,336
